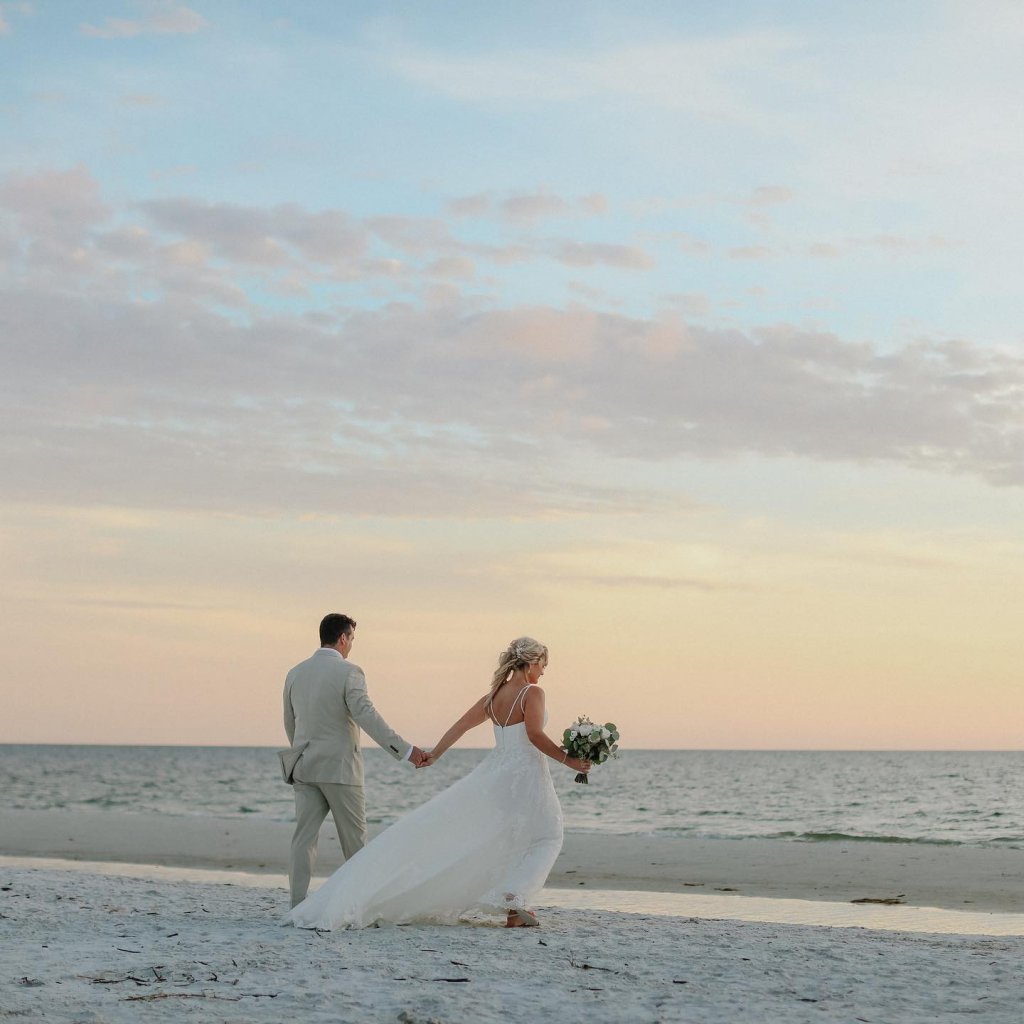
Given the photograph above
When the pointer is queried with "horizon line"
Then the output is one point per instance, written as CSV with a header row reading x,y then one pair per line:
x,y
725,750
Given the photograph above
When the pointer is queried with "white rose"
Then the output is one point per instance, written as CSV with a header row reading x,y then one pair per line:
x,y
573,733
605,734
585,729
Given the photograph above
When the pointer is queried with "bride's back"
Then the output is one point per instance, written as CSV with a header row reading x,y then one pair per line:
x,y
506,706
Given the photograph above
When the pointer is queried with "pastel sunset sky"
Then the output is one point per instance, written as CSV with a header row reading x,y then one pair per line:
x,y
687,338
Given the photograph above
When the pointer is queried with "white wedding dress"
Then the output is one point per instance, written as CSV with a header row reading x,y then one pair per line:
x,y
484,845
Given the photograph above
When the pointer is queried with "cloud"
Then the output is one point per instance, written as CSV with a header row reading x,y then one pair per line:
x,y
895,245
64,201
414,235
262,237
589,254
709,76
276,237
689,244
763,199
140,368
162,19
452,266
770,195
406,410
750,252
527,207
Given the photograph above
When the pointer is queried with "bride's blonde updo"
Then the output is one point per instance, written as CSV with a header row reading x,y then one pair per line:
x,y
519,654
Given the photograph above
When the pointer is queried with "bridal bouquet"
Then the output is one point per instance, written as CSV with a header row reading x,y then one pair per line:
x,y
590,742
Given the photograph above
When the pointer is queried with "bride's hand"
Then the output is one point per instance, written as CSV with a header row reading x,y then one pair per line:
x,y
577,764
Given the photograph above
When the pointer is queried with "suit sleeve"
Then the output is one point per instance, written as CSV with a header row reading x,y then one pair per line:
x,y
289,713
368,718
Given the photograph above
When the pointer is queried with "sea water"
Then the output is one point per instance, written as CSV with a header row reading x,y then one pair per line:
x,y
973,798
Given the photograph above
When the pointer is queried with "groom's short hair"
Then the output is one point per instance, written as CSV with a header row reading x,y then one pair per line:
x,y
333,626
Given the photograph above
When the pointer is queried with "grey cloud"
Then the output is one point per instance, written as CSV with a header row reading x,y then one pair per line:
x,y
750,252
687,243
770,195
527,207
261,237
452,266
56,205
417,235
763,200
272,239
588,254
216,251
534,207
415,408
411,407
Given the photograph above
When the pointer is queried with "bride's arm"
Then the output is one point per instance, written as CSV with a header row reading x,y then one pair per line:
x,y
470,720
534,709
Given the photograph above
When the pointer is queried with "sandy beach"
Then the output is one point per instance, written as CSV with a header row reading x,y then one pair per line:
x,y
101,942
79,947
954,877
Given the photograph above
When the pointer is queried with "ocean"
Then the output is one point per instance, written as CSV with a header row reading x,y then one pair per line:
x,y
972,798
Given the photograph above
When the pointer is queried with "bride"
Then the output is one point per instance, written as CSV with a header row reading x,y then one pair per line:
x,y
485,844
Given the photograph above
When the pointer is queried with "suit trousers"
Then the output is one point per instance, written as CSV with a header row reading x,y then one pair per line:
x,y
312,802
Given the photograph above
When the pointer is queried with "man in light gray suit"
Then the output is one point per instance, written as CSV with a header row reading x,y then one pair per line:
x,y
325,705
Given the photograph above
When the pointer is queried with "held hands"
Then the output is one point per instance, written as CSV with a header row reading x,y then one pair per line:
x,y
420,758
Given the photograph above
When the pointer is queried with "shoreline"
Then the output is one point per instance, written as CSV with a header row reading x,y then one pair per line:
x,y
947,877
651,903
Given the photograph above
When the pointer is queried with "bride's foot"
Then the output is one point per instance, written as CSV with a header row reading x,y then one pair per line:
x,y
522,919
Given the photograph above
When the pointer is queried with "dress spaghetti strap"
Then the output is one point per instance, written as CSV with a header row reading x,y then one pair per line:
x,y
520,697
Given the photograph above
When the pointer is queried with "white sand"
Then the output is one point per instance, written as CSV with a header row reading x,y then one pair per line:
x,y
962,878
78,947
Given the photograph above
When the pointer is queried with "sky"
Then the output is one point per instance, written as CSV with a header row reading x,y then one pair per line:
x,y
685,338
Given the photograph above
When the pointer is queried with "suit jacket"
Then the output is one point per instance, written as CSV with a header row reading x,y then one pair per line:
x,y
325,705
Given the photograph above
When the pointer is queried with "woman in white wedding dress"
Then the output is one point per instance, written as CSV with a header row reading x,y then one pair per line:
x,y
484,845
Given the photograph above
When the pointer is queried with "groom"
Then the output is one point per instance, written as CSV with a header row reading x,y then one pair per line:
x,y
325,704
